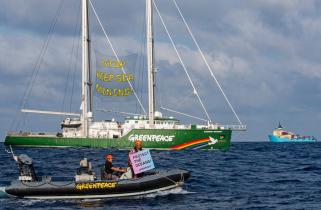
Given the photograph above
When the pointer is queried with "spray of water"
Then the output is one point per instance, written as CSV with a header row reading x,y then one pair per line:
x,y
177,190
3,193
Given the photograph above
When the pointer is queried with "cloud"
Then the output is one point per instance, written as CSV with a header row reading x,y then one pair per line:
x,y
264,53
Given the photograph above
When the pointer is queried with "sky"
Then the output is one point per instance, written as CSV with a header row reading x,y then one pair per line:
x,y
264,53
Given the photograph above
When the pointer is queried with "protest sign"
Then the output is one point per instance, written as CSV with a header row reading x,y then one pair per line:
x,y
141,161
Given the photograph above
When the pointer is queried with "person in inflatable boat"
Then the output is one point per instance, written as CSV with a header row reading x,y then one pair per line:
x,y
111,172
138,147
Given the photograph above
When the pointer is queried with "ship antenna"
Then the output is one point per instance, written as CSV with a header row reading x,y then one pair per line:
x,y
280,126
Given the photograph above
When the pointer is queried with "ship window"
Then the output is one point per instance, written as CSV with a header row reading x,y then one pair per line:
x,y
136,121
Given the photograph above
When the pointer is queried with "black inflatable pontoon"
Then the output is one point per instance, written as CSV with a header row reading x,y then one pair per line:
x,y
48,188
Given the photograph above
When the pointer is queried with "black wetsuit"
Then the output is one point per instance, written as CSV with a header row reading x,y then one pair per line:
x,y
108,167
110,172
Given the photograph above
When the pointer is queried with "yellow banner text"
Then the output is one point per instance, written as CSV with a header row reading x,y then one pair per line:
x,y
108,77
113,91
107,63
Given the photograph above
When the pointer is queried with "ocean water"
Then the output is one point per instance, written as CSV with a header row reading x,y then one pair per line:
x,y
248,176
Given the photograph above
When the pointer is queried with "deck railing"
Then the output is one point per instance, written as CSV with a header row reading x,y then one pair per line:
x,y
233,127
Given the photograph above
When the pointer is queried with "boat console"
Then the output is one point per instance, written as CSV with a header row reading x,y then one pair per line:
x,y
84,172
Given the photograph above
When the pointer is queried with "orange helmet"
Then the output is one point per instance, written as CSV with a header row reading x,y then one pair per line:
x,y
109,156
138,142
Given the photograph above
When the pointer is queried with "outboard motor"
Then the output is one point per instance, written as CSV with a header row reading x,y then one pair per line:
x,y
27,171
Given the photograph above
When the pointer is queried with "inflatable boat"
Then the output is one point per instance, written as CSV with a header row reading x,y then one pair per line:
x,y
87,186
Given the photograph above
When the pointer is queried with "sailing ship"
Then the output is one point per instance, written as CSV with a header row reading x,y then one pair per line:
x,y
155,130
281,135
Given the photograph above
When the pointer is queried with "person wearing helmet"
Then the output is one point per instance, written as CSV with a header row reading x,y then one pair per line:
x,y
110,171
138,147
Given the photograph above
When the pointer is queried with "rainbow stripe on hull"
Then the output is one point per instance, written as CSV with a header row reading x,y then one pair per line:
x,y
196,144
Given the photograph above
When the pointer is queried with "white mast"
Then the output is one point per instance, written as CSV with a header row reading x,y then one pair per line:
x,y
85,69
150,61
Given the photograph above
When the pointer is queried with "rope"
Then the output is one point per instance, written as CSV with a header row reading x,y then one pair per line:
x,y
182,63
170,180
142,64
112,48
24,183
71,59
74,70
207,65
37,65
56,185
138,67
49,183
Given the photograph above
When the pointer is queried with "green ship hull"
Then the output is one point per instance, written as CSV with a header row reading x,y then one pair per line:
x,y
161,139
